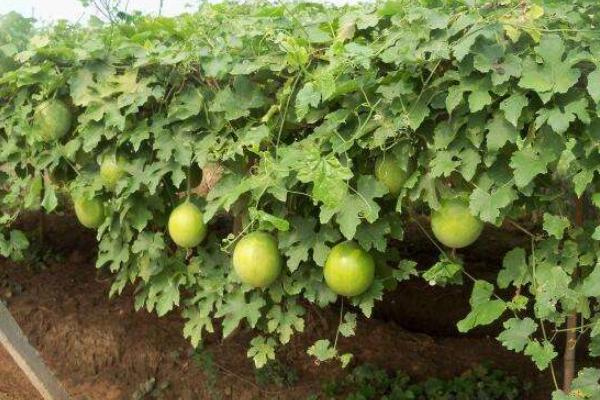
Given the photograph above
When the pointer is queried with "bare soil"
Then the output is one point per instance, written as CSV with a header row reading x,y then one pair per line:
x,y
102,349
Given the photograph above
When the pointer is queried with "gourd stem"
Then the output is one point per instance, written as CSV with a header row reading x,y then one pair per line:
x,y
188,183
337,333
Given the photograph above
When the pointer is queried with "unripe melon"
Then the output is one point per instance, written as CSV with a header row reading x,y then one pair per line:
x,y
454,225
52,120
186,226
349,269
256,259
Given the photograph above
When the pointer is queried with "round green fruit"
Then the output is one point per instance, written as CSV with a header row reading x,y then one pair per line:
x,y
112,169
90,212
186,226
454,225
389,172
52,120
256,259
349,270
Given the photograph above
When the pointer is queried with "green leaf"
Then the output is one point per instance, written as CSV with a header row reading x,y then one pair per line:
x,y
357,206
470,160
500,131
285,322
322,350
484,310
237,101
492,59
443,272
302,238
529,162
261,350
373,236
595,331
513,107
542,354
454,97
483,314
560,118
235,309
596,199
198,320
444,163
49,201
32,198
554,74
163,294
82,87
327,174
268,221
13,246
186,104
330,181
594,346
251,138
593,85
366,301
150,247
464,44
582,180
478,97
586,384
316,291
514,269
345,359
113,252
307,96
418,111
552,286
482,292
555,225
487,206
590,286
226,192
516,333
348,326
404,271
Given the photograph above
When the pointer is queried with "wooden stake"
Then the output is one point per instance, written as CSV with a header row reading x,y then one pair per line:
x,y
28,359
571,334
569,356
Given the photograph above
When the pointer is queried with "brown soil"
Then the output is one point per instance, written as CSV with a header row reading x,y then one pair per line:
x,y
14,385
102,349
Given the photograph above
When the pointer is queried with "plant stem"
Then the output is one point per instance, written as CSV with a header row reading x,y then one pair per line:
x,y
337,333
571,334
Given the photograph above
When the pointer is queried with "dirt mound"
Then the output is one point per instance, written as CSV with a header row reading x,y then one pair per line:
x,y
13,383
102,349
